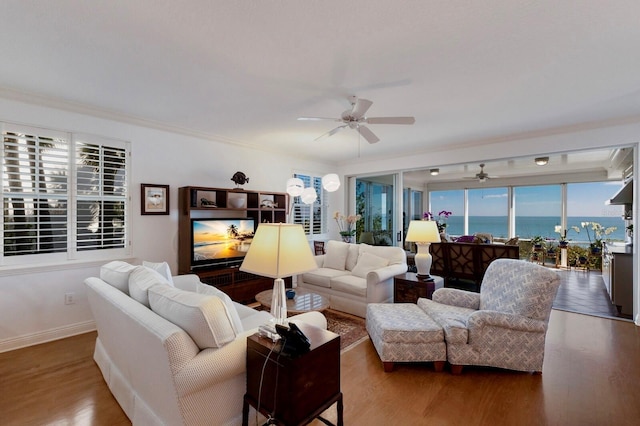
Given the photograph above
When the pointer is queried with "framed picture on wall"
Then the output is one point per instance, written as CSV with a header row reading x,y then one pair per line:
x,y
154,199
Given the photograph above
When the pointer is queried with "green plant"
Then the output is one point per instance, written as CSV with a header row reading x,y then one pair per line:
x,y
538,240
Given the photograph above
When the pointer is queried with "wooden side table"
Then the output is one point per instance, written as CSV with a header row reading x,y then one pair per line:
x,y
407,287
293,390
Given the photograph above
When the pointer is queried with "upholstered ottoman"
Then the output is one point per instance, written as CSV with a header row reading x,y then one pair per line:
x,y
402,332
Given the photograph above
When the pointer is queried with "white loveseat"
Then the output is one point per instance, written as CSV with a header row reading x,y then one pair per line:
x,y
353,275
159,373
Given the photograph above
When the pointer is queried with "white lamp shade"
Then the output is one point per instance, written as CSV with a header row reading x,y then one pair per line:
x,y
279,250
331,182
308,195
295,186
423,231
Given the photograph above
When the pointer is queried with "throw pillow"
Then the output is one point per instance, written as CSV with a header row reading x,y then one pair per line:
x,y
336,257
203,317
466,239
141,280
368,262
228,303
160,267
352,256
116,274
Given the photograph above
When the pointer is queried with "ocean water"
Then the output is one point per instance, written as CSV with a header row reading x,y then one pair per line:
x,y
530,226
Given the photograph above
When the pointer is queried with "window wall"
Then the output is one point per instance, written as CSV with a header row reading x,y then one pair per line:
x,y
375,203
450,201
585,203
537,210
488,211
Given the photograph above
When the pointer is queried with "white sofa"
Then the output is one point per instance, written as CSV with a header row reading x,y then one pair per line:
x,y
353,275
159,372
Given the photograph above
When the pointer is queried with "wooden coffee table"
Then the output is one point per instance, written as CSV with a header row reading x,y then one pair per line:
x,y
304,301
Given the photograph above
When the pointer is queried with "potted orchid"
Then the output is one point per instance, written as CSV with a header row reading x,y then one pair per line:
x,y
346,225
441,219
598,233
563,236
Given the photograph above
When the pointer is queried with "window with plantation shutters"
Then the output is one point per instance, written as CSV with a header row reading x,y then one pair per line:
x,y
101,196
62,194
313,217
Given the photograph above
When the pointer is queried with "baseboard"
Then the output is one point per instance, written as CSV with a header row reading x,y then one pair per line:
x,y
46,336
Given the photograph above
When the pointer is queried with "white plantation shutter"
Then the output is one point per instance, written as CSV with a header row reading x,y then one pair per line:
x,y
34,190
60,195
101,195
312,217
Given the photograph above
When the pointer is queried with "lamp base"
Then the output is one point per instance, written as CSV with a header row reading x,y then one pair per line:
x,y
423,260
279,302
425,277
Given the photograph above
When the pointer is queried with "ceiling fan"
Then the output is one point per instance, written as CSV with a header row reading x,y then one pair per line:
x,y
354,118
482,176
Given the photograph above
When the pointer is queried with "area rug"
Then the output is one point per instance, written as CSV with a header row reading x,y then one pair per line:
x,y
351,329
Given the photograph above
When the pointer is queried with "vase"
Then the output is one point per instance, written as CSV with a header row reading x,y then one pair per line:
x,y
346,238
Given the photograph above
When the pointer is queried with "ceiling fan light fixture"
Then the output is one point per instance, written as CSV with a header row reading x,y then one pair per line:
x,y
309,195
434,172
542,161
295,186
331,182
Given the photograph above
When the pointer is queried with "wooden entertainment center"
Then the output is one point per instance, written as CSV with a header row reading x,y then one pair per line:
x,y
198,202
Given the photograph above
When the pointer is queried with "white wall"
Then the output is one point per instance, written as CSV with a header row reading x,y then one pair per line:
x,y
32,308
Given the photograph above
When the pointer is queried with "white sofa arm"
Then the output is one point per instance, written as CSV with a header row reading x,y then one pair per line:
x,y
188,282
213,365
383,274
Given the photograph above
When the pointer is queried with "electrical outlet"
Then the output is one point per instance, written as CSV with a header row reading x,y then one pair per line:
x,y
69,298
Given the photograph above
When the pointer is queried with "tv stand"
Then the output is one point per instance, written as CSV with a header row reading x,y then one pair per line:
x,y
240,286
203,202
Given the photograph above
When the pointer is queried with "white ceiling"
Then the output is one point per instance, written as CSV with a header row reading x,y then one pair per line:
x,y
243,71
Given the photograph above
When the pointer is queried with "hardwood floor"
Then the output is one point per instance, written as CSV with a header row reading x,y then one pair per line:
x,y
591,376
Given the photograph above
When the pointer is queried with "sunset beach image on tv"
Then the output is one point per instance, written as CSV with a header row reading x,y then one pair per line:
x,y
221,239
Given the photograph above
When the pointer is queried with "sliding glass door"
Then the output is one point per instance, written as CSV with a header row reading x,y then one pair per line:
x,y
376,203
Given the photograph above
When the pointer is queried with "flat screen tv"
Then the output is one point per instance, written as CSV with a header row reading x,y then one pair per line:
x,y
220,242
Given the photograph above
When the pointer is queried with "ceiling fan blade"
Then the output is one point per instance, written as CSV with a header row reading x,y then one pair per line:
x,y
360,108
331,132
391,120
368,134
318,119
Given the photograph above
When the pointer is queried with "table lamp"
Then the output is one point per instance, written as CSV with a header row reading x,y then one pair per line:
x,y
423,233
279,250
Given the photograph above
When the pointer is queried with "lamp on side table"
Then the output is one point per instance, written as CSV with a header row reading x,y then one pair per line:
x,y
279,250
423,233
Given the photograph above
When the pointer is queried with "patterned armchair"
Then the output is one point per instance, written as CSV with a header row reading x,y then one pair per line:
x,y
502,326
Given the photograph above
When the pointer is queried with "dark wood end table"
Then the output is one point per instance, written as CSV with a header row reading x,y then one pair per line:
x,y
294,390
407,287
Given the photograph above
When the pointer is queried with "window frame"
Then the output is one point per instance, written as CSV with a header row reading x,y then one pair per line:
x,y
72,196
320,203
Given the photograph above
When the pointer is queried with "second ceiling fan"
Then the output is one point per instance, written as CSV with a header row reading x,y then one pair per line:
x,y
354,118
482,176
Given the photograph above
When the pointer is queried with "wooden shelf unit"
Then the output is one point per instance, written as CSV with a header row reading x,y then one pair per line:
x,y
198,202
